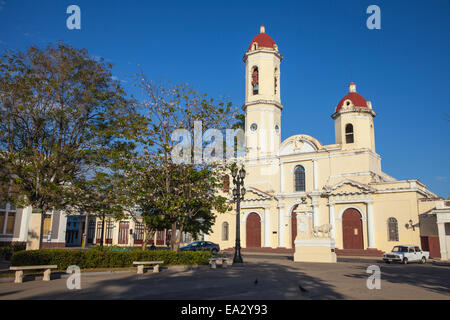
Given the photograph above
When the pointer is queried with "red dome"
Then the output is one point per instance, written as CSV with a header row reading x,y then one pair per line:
x,y
263,40
354,97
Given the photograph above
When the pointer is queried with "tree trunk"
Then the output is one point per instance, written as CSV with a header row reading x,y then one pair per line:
x,y
103,231
86,226
173,237
42,230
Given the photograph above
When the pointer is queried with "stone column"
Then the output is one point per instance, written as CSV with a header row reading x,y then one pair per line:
x,y
266,228
315,213
281,226
370,226
316,175
332,221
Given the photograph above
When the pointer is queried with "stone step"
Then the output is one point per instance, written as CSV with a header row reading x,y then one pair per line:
x,y
263,250
359,252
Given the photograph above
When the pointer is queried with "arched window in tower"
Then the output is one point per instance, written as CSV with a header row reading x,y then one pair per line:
x,y
255,80
226,183
393,229
349,135
275,79
225,231
299,178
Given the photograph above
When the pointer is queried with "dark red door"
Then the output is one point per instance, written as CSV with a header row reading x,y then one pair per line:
x,y
123,232
352,229
253,226
434,247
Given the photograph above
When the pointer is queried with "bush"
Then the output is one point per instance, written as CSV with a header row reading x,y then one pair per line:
x,y
6,251
105,259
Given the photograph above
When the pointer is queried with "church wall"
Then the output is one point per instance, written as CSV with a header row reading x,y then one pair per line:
x,y
403,207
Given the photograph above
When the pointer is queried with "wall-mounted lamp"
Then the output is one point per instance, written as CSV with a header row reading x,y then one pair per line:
x,y
410,224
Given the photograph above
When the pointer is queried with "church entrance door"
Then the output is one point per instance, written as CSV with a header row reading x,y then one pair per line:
x,y
352,229
253,231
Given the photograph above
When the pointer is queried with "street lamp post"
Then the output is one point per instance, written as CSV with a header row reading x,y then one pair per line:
x,y
238,195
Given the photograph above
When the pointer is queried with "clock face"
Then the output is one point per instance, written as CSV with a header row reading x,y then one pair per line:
x,y
254,127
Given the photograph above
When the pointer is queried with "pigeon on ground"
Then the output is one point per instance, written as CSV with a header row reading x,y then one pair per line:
x,y
302,289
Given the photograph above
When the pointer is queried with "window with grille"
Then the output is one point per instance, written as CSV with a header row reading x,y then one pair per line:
x,y
299,178
225,231
109,231
139,233
393,229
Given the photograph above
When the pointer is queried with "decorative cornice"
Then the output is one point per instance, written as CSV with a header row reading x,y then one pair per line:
x,y
251,103
354,110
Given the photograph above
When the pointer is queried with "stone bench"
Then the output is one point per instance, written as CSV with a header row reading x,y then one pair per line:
x,y
141,264
19,271
213,262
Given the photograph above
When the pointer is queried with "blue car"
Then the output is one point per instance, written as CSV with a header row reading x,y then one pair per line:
x,y
201,245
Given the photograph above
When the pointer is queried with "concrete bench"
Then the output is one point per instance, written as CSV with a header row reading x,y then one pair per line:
x,y
141,264
213,262
19,271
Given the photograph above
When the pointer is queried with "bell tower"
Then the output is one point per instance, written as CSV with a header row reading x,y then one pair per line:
x,y
353,122
262,96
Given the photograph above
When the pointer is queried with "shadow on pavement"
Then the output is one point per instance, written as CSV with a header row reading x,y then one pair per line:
x,y
423,276
253,280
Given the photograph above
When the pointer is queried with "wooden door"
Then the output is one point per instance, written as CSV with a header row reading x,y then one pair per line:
x,y
123,232
253,231
434,247
352,229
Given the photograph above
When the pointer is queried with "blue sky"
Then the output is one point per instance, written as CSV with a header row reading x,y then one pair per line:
x,y
404,68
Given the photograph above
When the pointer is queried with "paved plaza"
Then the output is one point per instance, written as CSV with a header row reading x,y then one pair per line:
x,y
261,277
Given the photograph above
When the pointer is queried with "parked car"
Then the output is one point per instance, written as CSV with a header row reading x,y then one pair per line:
x,y
406,254
201,245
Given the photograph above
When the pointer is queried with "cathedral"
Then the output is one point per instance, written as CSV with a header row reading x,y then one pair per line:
x,y
340,184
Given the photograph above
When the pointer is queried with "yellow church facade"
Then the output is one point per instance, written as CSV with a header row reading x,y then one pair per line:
x,y
341,185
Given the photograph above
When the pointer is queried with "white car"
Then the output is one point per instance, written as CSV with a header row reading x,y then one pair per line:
x,y
406,254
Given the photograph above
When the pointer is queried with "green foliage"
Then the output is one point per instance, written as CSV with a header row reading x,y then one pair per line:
x,y
105,258
6,251
63,118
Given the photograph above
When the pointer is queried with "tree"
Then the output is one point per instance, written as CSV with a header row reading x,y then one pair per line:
x,y
181,192
62,115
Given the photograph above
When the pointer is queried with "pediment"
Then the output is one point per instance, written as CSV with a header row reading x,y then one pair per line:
x,y
347,187
256,194
299,144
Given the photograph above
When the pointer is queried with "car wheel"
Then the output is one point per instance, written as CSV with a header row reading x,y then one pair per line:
x,y
424,260
387,261
405,260
214,251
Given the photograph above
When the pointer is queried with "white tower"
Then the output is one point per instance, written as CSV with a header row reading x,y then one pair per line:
x,y
262,97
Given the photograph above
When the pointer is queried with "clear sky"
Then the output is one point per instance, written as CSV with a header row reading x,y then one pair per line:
x,y
404,68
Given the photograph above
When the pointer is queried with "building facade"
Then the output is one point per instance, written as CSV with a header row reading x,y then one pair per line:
x,y
342,184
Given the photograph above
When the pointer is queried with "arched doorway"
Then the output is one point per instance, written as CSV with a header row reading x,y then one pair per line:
x,y
253,231
352,231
